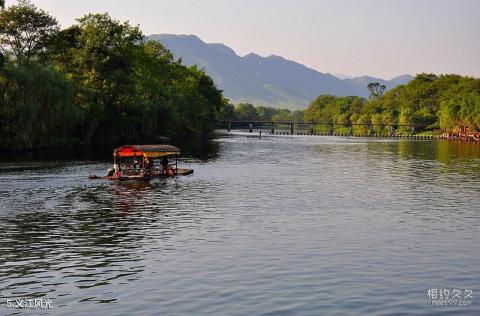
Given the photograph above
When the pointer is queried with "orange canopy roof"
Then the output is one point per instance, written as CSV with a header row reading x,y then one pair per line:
x,y
146,150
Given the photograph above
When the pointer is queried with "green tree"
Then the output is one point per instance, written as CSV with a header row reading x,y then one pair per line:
x,y
460,113
377,122
317,111
2,56
246,111
36,107
97,81
364,121
298,116
228,113
265,113
376,89
25,30
283,115
101,63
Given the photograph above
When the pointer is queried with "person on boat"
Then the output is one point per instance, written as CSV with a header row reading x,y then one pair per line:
x,y
148,163
165,165
116,165
136,163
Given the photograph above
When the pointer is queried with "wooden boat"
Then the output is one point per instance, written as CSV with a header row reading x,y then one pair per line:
x,y
144,162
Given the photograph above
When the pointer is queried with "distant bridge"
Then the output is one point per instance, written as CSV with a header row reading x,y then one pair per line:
x,y
308,128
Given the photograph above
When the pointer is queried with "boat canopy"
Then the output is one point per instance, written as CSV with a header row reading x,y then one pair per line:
x,y
146,150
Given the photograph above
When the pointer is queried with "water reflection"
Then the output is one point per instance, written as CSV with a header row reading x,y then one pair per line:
x,y
301,225
93,236
202,149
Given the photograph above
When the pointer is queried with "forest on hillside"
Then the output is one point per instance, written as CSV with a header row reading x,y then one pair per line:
x,y
97,81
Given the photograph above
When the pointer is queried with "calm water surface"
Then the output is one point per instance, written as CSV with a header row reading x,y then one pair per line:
x,y
278,226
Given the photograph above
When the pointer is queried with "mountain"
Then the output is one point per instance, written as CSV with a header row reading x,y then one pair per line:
x,y
272,81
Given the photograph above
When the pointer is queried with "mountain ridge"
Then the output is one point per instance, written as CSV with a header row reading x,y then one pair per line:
x,y
271,81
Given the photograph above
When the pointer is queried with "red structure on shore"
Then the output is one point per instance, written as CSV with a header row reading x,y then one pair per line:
x,y
464,134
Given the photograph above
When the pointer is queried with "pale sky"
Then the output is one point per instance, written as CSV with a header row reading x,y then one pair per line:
x,y
383,38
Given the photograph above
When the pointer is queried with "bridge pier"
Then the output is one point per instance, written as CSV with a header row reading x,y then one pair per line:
x,y
310,127
330,131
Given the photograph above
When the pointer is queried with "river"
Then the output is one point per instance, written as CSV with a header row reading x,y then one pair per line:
x,y
301,225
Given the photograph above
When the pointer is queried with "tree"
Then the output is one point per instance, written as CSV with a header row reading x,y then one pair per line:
x,y
98,81
246,111
283,115
461,113
2,57
317,111
298,116
36,106
265,113
376,89
25,30
363,120
102,55
228,112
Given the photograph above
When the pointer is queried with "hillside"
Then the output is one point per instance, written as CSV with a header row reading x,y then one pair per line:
x,y
272,81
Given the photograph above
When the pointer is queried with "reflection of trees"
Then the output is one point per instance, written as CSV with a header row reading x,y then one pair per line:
x,y
449,151
457,157
416,163
198,148
79,153
101,241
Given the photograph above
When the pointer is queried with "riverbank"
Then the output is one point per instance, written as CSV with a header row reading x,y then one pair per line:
x,y
420,136
469,137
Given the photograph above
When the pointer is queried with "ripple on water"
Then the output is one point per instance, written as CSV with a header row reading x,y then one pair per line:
x,y
292,226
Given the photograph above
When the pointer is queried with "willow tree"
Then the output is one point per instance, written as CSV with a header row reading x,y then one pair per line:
x,y
36,107
2,56
36,101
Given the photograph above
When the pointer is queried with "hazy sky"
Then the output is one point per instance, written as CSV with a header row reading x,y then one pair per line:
x,y
355,37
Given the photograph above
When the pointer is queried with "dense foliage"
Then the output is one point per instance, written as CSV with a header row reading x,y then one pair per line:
x,y
249,112
446,102
97,81
101,81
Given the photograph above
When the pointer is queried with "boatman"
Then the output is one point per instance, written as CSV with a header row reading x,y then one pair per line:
x,y
165,165
148,164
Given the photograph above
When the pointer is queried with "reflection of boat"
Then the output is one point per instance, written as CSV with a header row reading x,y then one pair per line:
x,y
132,162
